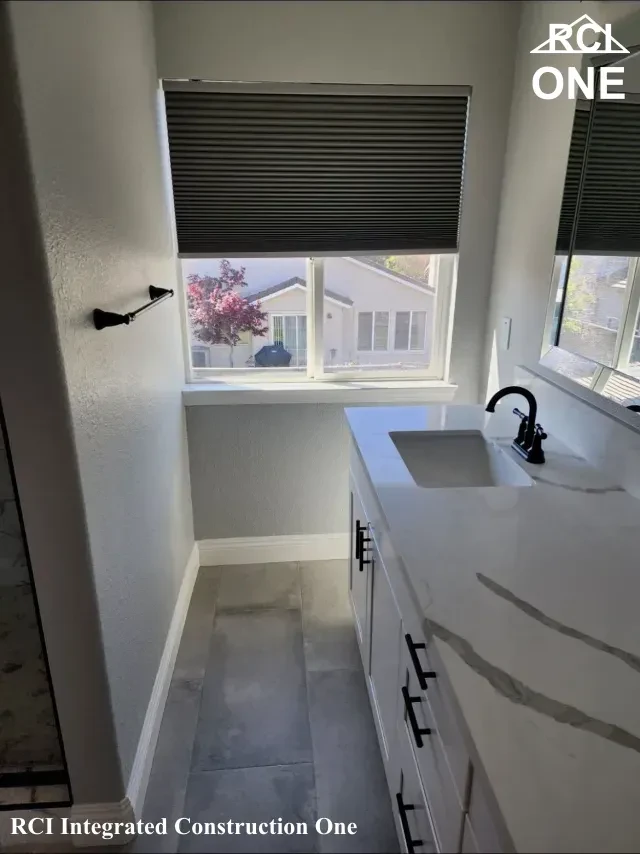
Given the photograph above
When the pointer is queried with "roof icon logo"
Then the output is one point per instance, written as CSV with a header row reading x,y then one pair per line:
x,y
561,37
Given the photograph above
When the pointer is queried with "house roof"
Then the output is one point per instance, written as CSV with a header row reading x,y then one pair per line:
x,y
293,282
393,274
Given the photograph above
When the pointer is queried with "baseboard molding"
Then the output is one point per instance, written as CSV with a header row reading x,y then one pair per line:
x,y
238,550
143,760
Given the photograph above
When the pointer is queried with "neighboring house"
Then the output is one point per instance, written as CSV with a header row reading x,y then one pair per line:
x,y
372,316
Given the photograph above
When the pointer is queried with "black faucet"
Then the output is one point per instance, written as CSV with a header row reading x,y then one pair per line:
x,y
528,442
634,407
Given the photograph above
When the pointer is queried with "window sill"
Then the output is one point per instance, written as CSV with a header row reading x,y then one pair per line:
x,y
398,391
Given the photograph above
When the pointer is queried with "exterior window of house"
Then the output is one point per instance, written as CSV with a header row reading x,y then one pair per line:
x,y
410,330
200,357
290,330
373,330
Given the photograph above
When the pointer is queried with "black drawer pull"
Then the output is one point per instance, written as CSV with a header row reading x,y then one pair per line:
x,y
359,530
360,541
408,704
422,675
403,809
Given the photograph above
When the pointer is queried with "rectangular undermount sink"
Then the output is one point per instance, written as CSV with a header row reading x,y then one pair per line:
x,y
456,458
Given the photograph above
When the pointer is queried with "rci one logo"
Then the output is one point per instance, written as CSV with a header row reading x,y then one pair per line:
x,y
562,38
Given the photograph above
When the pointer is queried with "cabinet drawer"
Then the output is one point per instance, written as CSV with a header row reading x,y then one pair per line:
x,y
438,706
410,809
421,729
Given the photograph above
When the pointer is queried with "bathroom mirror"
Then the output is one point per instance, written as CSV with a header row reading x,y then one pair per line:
x,y
592,335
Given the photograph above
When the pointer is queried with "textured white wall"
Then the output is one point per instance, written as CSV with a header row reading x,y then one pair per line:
x,y
36,408
260,471
427,43
535,166
89,89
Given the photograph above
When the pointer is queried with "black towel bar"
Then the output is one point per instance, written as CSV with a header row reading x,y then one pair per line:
x,y
102,319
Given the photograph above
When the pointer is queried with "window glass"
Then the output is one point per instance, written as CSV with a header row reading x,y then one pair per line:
x,y
247,312
403,319
381,330
378,313
595,306
200,357
365,329
634,356
418,325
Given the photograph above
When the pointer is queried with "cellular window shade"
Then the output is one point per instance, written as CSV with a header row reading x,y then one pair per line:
x,y
572,179
609,215
311,173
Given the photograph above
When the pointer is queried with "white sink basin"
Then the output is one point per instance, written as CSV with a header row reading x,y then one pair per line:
x,y
447,459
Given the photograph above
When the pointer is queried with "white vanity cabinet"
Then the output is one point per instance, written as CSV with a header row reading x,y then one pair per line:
x,y
378,626
438,802
359,575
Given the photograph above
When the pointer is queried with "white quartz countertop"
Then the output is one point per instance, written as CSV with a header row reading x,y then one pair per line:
x,y
532,596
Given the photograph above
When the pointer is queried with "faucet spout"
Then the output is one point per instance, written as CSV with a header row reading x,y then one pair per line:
x,y
529,440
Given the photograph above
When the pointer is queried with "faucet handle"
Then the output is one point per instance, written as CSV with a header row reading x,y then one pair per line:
x,y
535,453
522,429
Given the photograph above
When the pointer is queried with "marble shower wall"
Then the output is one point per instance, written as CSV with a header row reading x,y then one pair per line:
x,y
29,738
13,562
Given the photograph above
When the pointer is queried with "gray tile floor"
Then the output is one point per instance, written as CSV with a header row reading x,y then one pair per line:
x,y
268,716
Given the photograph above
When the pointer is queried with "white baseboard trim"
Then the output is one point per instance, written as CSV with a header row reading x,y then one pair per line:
x,y
143,760
238,550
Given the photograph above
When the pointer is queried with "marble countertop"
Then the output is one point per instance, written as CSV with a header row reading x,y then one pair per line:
x,y
532,596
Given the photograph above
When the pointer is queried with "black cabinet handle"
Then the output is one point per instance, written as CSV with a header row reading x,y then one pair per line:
x,y
403,809
360,541
359,529
408,704
422,675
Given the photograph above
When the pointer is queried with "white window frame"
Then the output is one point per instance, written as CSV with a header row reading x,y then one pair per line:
x,y
442,276
371,350
411,312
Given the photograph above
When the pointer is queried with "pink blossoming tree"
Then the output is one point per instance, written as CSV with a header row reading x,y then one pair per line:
x,y
218,314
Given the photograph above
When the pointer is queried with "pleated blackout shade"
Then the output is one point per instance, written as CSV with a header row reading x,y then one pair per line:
x,y
609,215
313,172
572,179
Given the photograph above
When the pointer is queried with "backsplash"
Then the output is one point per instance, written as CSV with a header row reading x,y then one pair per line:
x,y
603,441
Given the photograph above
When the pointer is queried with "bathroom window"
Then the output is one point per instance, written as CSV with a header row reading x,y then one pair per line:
x,y
302,318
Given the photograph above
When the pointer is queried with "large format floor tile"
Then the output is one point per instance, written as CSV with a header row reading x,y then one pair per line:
x,y
329,634
267,585
350,781
252,795
254,703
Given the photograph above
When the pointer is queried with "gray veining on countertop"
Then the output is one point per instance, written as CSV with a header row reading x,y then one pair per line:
x,y
531,597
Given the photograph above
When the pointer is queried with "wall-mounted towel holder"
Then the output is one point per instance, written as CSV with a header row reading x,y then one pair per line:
x,y
102,319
